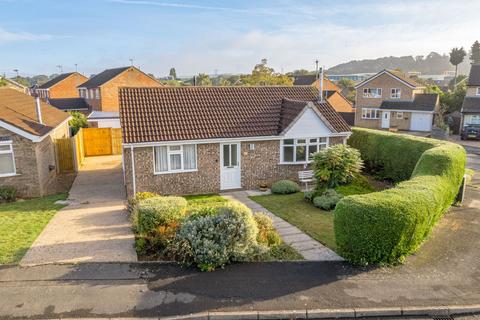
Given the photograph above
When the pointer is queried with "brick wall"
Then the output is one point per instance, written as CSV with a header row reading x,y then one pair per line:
x,y
129,78
401,124
45,157
366,123
67,88
261,165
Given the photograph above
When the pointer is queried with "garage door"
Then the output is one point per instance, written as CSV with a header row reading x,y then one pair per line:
x,y
421,122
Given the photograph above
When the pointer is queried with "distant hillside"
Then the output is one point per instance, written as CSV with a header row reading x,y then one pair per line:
x,y
433,63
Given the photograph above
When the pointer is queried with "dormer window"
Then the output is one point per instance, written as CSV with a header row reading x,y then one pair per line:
x,y
372,92
395,93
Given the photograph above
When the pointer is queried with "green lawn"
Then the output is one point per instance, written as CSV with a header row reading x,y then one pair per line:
x,y
21,222
293,208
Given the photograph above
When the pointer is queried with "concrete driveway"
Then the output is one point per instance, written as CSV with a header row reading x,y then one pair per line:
x,y
95,227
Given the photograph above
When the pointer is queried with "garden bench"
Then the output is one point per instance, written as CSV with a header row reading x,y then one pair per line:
x,y
306,177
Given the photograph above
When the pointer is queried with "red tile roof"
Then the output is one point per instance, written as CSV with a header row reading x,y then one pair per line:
x,y
192,113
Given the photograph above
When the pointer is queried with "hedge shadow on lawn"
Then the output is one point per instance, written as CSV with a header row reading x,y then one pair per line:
x,y
383,227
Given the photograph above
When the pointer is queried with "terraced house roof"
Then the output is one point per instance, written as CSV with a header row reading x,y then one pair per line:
x,y
102,77
19,110
192,113
54,81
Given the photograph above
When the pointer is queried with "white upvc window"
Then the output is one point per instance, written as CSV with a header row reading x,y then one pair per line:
x,y
399,115
478,91
175,158
372,92
370,113
395,93
472,119
83,93
7,159
97,94
301,150
92,93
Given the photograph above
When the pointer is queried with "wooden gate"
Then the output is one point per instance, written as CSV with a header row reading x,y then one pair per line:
x,y
102,141
65,155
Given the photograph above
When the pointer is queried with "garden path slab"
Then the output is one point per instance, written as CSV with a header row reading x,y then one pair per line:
x,y
309,248
95,226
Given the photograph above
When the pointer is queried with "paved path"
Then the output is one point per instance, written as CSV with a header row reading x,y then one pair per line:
x,y
95,227
309,248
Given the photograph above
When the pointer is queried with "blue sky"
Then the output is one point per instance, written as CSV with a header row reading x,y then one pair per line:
x,y
227,36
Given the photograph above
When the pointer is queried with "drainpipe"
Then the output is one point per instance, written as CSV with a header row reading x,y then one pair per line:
x,y
133,170
38,109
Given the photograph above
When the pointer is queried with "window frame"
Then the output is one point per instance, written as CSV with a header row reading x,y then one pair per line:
x,y
478,91
10,151
399,115
97,94
173,152
366,111
306,144
367,93
395,93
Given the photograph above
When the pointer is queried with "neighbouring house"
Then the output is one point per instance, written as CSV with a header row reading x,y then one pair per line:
x,y
62,86
194,140
101,93
390,99
28,128
471,103
332,94
12,84
71,104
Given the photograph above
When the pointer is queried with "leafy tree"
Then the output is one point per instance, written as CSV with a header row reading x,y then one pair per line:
x,y
79,120
262,75
3,82
173,73
456,57
348,88
475,55
173,83
452,101
203,80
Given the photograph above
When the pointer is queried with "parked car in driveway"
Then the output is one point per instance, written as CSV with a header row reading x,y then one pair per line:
x,y
470,132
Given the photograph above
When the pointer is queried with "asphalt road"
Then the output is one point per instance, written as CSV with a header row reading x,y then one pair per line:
x,y
446,270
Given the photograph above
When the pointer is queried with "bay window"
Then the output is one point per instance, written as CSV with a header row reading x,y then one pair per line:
x,y
301,150
7,160
175,158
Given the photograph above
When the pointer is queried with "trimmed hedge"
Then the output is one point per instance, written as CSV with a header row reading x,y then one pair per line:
x,y
383,227
285,187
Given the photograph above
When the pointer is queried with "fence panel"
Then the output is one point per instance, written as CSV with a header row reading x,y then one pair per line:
x,y
97,141
116,141
79,151
65,156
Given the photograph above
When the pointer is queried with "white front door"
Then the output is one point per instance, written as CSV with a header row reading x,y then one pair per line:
x,y
230,173
386,119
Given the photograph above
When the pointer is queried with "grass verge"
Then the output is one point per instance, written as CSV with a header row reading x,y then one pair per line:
x,y
21,222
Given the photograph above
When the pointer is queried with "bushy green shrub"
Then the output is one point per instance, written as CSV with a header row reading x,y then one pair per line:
x,y
132,206
389,155
336,165
285,187
267,235
328,200
8,194
79,120
160,211
212,241
384,227
309,195
359,185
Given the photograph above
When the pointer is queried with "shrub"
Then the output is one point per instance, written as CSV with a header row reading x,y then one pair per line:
x,y
309,195
359,185
8,194
328,200
267,235
336,165
285,187
132,206
212,241
79,120
384,227
160,211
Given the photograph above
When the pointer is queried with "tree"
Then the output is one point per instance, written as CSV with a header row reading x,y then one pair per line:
x,y
348,88
173,73
475,55
79,120
3,82
456,57
265,76
203,80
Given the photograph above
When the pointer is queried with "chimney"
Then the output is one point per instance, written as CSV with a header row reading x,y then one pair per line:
x,y
38,109
320,94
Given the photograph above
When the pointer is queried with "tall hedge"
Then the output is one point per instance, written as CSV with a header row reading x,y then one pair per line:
x,y
384,227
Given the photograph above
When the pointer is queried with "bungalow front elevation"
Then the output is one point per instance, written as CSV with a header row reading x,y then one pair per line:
x,y
194,140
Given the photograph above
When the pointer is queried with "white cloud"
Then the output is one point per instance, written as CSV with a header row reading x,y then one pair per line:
x,y
7,36
174,5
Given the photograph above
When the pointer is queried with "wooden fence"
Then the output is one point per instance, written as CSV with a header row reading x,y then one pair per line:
x,y
70,152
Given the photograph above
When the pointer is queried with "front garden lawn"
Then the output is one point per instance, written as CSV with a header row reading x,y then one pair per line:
x,y
21,222
293,208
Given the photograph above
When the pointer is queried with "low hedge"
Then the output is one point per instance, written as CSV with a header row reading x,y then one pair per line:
x,y
383,227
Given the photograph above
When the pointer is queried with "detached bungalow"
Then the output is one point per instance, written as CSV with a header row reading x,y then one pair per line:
x,y
194,140
28,128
